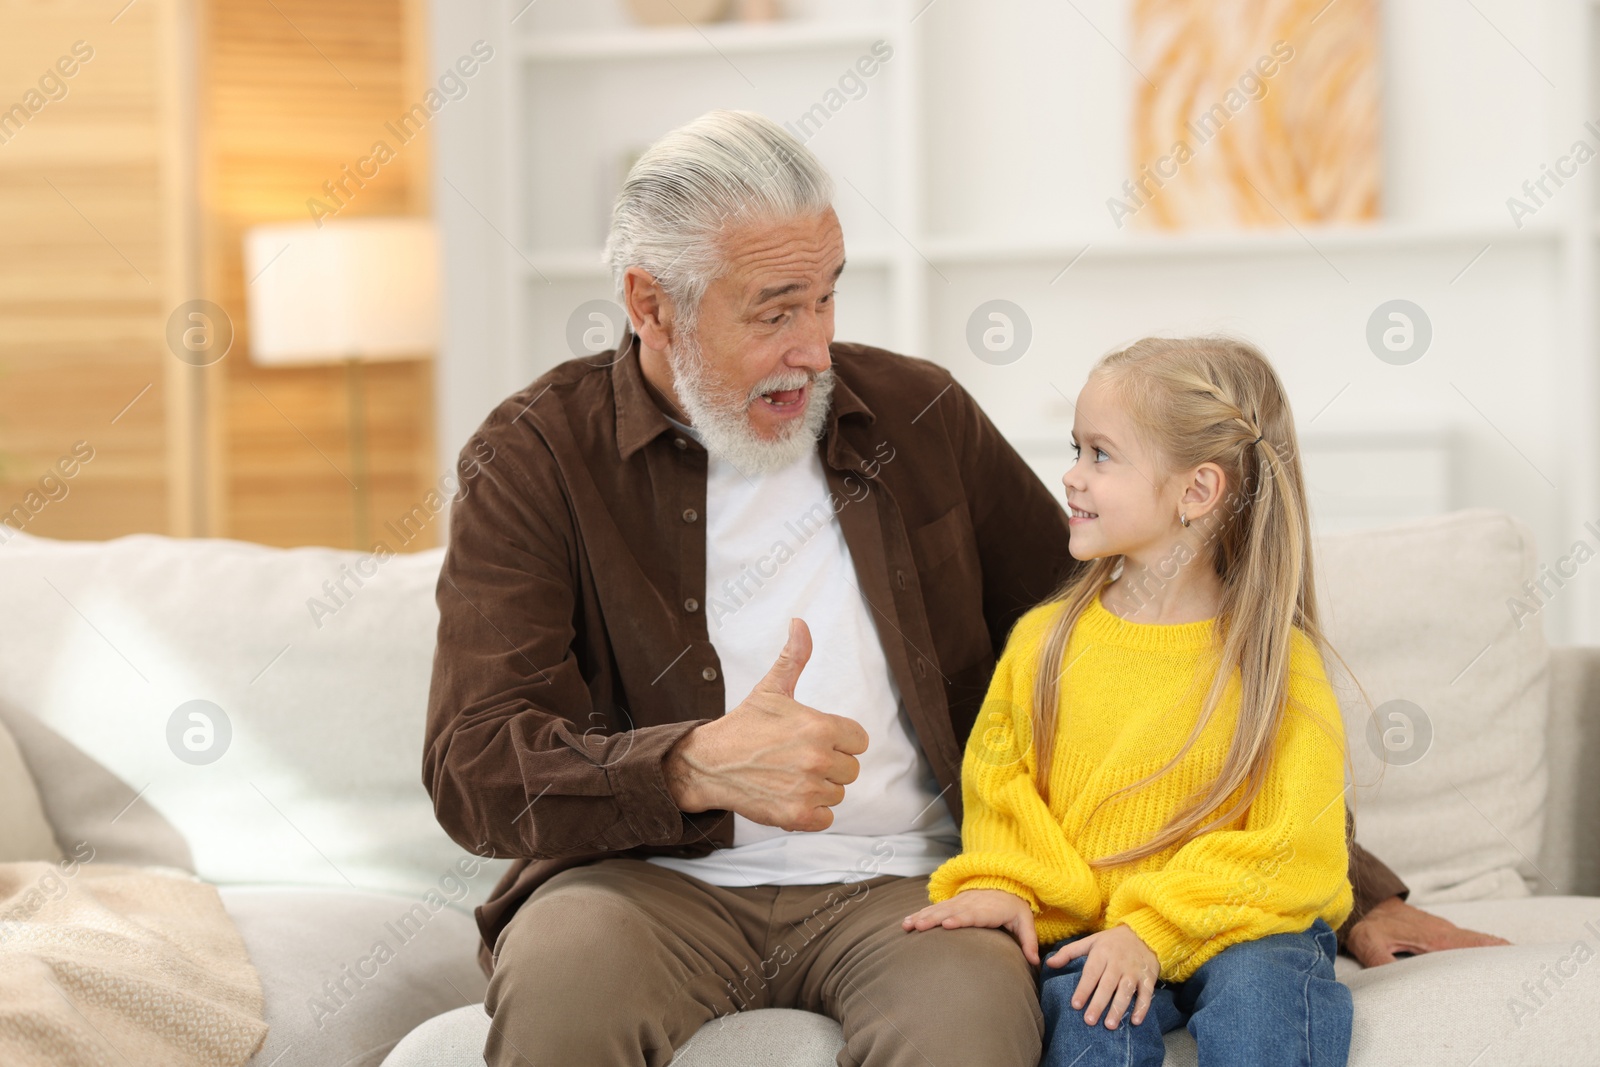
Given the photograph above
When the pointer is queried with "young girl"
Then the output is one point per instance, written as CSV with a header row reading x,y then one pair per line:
x,y
1181,849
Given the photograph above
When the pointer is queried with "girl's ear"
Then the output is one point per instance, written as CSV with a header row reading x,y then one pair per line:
x,y
1205,490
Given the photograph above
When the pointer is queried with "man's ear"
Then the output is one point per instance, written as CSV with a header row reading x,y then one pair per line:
x,y
648,307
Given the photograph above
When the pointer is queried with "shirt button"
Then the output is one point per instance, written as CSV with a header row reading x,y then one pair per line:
x,y
901,576
922,668
691,604
709,674
680,443
690,514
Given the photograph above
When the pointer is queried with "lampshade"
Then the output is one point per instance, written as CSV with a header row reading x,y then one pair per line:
x,y
364,289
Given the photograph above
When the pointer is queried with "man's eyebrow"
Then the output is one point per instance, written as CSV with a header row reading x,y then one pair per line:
x,y
775,291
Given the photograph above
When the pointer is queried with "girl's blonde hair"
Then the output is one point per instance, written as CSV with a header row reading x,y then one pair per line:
x,y
1193,401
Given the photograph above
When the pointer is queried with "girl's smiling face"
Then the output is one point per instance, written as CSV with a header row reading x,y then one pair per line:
x,y
1119,507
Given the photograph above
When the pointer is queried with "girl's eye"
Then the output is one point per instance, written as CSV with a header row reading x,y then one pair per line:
x,y
1098,452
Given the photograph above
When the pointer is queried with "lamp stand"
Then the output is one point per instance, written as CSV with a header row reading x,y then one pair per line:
x,y
355,389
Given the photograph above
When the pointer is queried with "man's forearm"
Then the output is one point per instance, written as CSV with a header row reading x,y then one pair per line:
x,y
594,793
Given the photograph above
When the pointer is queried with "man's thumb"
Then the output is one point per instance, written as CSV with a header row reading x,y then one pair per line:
x,y
791,661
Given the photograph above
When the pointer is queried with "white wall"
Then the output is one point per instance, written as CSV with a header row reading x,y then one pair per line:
x,y
1023,108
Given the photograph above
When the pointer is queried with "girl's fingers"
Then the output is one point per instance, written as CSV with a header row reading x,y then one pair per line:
x,y
925,918
1078,948
1126,988
1088,980
1147,993
1029,938
946,915
1023,932
1105,989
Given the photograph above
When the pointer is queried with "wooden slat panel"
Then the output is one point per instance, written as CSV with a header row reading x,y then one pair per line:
x,y
88,266
282,119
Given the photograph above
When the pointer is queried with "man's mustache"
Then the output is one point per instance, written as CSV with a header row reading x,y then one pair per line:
x,y
779,382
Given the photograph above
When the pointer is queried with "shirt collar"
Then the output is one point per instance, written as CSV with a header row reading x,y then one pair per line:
x,y
640,420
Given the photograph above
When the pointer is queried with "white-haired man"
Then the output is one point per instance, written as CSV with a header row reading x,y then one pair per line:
x,y
716,621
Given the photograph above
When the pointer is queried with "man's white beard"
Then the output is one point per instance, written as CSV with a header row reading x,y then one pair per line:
x,y
723,421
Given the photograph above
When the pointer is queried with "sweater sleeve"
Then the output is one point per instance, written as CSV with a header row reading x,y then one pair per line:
x,y
1009,838
1286,866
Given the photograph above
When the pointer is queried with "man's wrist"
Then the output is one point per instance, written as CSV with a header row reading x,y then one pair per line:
x,y
1359,916
1385,905
683,777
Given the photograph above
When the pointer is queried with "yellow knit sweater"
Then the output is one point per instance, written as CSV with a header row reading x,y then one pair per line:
x,y
1130,696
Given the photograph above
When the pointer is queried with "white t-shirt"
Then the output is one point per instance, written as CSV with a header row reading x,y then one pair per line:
x,y
774,550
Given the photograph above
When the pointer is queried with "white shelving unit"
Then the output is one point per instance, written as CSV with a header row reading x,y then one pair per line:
x,y
694,42
1504,412
581,93
1373,238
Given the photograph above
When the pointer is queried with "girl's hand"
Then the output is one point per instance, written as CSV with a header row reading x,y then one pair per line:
x,y
982,907
1119,966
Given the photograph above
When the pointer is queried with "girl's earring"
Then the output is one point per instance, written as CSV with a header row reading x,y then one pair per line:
x,y
1183,518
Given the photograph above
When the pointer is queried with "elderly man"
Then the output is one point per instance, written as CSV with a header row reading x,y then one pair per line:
x,y
715,623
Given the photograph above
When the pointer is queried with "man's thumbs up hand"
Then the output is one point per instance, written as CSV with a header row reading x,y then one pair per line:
x,y
771,759
785,672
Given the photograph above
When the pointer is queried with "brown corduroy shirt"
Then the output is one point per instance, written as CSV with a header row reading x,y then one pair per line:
x,y
573,651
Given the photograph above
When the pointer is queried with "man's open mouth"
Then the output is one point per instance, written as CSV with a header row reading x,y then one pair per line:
x,y
784,398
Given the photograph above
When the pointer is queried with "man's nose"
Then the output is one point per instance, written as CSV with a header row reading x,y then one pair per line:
x,y
810,351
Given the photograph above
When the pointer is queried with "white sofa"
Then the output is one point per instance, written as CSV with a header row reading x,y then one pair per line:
x,y
314,824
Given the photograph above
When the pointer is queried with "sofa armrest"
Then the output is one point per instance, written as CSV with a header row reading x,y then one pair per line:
x,y
1569,856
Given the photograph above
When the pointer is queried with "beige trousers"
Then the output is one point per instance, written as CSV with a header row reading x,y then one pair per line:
x,y
619,962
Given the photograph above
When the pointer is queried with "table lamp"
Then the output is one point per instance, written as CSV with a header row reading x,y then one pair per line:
x,y
351,292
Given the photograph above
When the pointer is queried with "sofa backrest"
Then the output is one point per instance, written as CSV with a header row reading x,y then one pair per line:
x,y
304,765
319,661
1449,758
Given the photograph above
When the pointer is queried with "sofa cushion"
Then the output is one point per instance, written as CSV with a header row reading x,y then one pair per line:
x,y
25,833
347,974
269,702
763,1037
1529,1004
1449,759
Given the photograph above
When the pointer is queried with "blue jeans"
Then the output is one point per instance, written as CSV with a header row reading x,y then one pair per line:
x,y
1273,1001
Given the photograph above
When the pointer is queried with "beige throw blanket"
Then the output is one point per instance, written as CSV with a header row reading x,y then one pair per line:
x,y
119,966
